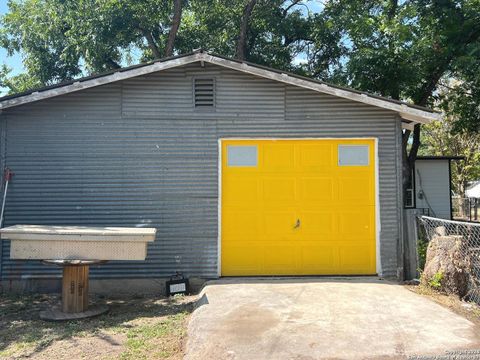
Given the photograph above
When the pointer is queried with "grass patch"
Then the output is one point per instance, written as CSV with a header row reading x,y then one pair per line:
x,y
134,328
160,340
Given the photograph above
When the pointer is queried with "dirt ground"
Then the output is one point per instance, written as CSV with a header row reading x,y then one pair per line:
x,y
471,311
134,328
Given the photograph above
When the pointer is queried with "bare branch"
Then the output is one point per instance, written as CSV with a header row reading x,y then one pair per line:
x,y
287,9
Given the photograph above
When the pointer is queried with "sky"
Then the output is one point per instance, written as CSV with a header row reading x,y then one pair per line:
x,y
15,61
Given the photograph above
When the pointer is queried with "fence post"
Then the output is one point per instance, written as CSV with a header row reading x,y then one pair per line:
x,y
411,236
476,210
469,209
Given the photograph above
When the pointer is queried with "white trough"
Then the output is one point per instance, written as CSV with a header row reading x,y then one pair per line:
x,y
38,242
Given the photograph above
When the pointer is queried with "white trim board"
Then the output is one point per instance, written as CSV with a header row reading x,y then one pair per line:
x,y
406,112
378,264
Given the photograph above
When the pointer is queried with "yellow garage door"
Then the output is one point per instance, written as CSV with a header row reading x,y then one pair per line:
x,y
297,207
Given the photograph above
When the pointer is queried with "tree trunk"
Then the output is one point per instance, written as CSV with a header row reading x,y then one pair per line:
x,y
408,159
241,52
422,99
172,35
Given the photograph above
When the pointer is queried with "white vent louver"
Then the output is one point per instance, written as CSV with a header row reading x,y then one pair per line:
x,y
204,93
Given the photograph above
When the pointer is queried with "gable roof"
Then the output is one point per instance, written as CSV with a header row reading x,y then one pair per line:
x,y
411,113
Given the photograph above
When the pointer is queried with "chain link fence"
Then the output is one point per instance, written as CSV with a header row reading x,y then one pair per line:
x,y
467,209
469,234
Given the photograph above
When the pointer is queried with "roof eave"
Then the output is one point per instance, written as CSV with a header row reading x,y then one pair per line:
x,y
103,80
408,113
405,112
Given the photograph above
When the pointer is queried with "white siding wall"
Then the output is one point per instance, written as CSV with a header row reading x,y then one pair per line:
x,y
433,178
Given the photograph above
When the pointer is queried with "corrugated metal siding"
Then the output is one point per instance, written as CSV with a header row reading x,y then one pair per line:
x,y
136,153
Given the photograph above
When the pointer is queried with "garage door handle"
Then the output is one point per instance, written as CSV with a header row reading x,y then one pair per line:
x,y
297,224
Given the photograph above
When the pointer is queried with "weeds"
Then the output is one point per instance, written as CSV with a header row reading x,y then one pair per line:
x,y
436,280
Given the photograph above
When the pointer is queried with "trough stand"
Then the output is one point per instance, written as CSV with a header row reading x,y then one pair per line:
x,y
74,292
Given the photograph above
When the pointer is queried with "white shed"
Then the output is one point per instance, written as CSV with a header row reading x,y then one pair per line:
x,y
473,190
433,185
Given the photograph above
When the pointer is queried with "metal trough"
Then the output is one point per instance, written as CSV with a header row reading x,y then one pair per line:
x,y
39,242
75,248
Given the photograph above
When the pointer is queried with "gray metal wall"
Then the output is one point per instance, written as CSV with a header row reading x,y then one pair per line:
x,y
135,153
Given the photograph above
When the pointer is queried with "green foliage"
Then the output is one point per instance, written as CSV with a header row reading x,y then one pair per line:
x,y
462,100
379,39
436,280
17,83
443,138
422,245
402,49
61,39
406,50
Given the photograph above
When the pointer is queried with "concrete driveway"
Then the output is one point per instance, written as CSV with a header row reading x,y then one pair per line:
x,y
335,318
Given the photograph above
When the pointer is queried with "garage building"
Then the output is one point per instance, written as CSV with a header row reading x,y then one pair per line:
x,y
244,170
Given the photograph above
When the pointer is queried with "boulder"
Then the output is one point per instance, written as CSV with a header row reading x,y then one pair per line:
x,y
446,265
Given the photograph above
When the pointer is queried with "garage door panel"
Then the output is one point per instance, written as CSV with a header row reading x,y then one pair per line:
x,y
316,157
279,225
241,190
357,259
240,260
358,224
299,212
241,225
279,189
280,259
320,224
278,157
356,190
318,189
318,259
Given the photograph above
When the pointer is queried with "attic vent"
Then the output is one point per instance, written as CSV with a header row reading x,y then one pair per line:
x,y
204,93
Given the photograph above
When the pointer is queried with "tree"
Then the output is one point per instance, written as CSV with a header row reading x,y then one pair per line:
x,y
270,33
17,83
404,49
61,40
440,138
461,100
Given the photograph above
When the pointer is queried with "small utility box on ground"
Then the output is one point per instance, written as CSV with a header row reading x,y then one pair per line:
x,y
75,248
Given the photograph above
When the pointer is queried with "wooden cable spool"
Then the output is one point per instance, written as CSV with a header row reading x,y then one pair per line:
x,y
74,291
